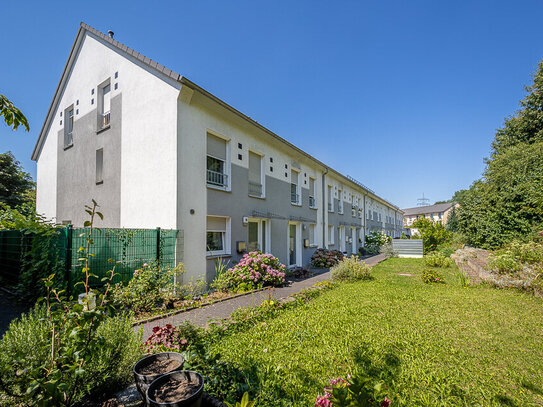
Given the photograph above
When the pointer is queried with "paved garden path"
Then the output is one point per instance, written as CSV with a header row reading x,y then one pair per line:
x,y
221,310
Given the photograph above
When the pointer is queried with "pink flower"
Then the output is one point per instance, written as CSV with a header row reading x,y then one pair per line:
x,y
386,402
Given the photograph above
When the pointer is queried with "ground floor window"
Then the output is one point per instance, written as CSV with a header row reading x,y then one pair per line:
x,y
331,234
217,235
312,234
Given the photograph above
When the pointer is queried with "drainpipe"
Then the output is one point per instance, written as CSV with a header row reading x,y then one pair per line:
x,y
324,209
365,220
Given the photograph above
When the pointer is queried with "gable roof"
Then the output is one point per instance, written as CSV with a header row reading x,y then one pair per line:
x,y
423,210
83,28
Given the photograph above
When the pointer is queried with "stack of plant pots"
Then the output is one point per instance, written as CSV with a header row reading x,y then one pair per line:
x,y
161,381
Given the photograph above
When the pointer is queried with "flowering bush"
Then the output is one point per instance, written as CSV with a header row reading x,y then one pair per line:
x,y
255,269
174,339
324,258
375,240
353,392
431,276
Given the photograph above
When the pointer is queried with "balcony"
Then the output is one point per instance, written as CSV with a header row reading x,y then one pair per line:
x,y
217,179
255,189
105,119
68,139
294,198
312,203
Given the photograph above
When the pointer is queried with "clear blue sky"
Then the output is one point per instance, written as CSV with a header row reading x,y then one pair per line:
x,y
403,95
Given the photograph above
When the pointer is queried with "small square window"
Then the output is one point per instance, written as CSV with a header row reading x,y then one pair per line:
x,y
116,86
271,169
240,146
61,122
286,166
240,157
77,102
92,101
116,75
271,159
286,174
60,114
92,91
76,111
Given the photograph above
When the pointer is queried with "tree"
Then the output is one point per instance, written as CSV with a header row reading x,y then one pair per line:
x,y
15,184
507,203
12,116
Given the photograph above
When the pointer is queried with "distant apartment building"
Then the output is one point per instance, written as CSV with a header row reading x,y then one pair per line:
x,y
437,212
156,150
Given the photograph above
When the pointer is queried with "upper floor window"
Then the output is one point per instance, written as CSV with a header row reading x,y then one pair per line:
x,y
312,193
68,127
330,199
217,168
256,179
295,188
340,202
353,211
104,105
99,166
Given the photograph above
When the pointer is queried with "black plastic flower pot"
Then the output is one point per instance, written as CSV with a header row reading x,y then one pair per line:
x,y
143,377
157,396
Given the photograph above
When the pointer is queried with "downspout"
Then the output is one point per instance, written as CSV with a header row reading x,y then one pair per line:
x,y
365,219
324,209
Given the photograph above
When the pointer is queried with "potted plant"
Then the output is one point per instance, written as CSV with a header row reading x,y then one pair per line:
x,y
176,389
153,366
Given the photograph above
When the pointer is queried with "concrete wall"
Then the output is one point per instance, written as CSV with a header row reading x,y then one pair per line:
x,y
76,169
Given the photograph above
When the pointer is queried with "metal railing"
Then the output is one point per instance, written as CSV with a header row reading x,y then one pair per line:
x,y
217,178
340,207
330,207
294,198
105,119
312,203
68,139
255,189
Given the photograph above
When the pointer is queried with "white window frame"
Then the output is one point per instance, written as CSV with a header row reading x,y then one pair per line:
x,y
298,187
340,202
330,197
330,237
67,120
227,240
99,170
101,114
227,163
261,221
341,238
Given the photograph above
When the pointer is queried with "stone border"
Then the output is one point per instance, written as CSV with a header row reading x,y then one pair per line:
x,y
180,311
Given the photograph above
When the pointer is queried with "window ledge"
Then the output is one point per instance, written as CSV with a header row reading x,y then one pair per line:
x,y
218,188
68,147
313,207
217,255
103,129
99,182
295,204
257,196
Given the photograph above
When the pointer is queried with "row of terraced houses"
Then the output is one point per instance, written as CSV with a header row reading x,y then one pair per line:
x,y
156,150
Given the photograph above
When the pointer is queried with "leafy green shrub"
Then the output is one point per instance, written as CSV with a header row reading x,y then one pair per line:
x,y
25,351
446,250
431,276
436,259
504,263
350,269
530,252
147,289
175,339
324,258
254,270
354,391
389,251
432,234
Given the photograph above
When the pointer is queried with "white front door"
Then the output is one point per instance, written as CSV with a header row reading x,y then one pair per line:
x,y
258,235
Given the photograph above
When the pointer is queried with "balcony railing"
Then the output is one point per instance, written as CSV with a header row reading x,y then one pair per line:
x,y
255,189
217,178
330,207
312,203
294,198
68,139
340,207
105,120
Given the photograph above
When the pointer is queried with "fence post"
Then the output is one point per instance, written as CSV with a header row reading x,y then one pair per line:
x,y
68,259
157,247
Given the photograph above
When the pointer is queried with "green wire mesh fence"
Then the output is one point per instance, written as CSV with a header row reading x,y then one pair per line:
x,y
129,249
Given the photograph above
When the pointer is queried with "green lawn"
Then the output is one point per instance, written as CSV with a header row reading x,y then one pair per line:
x,y
433,345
